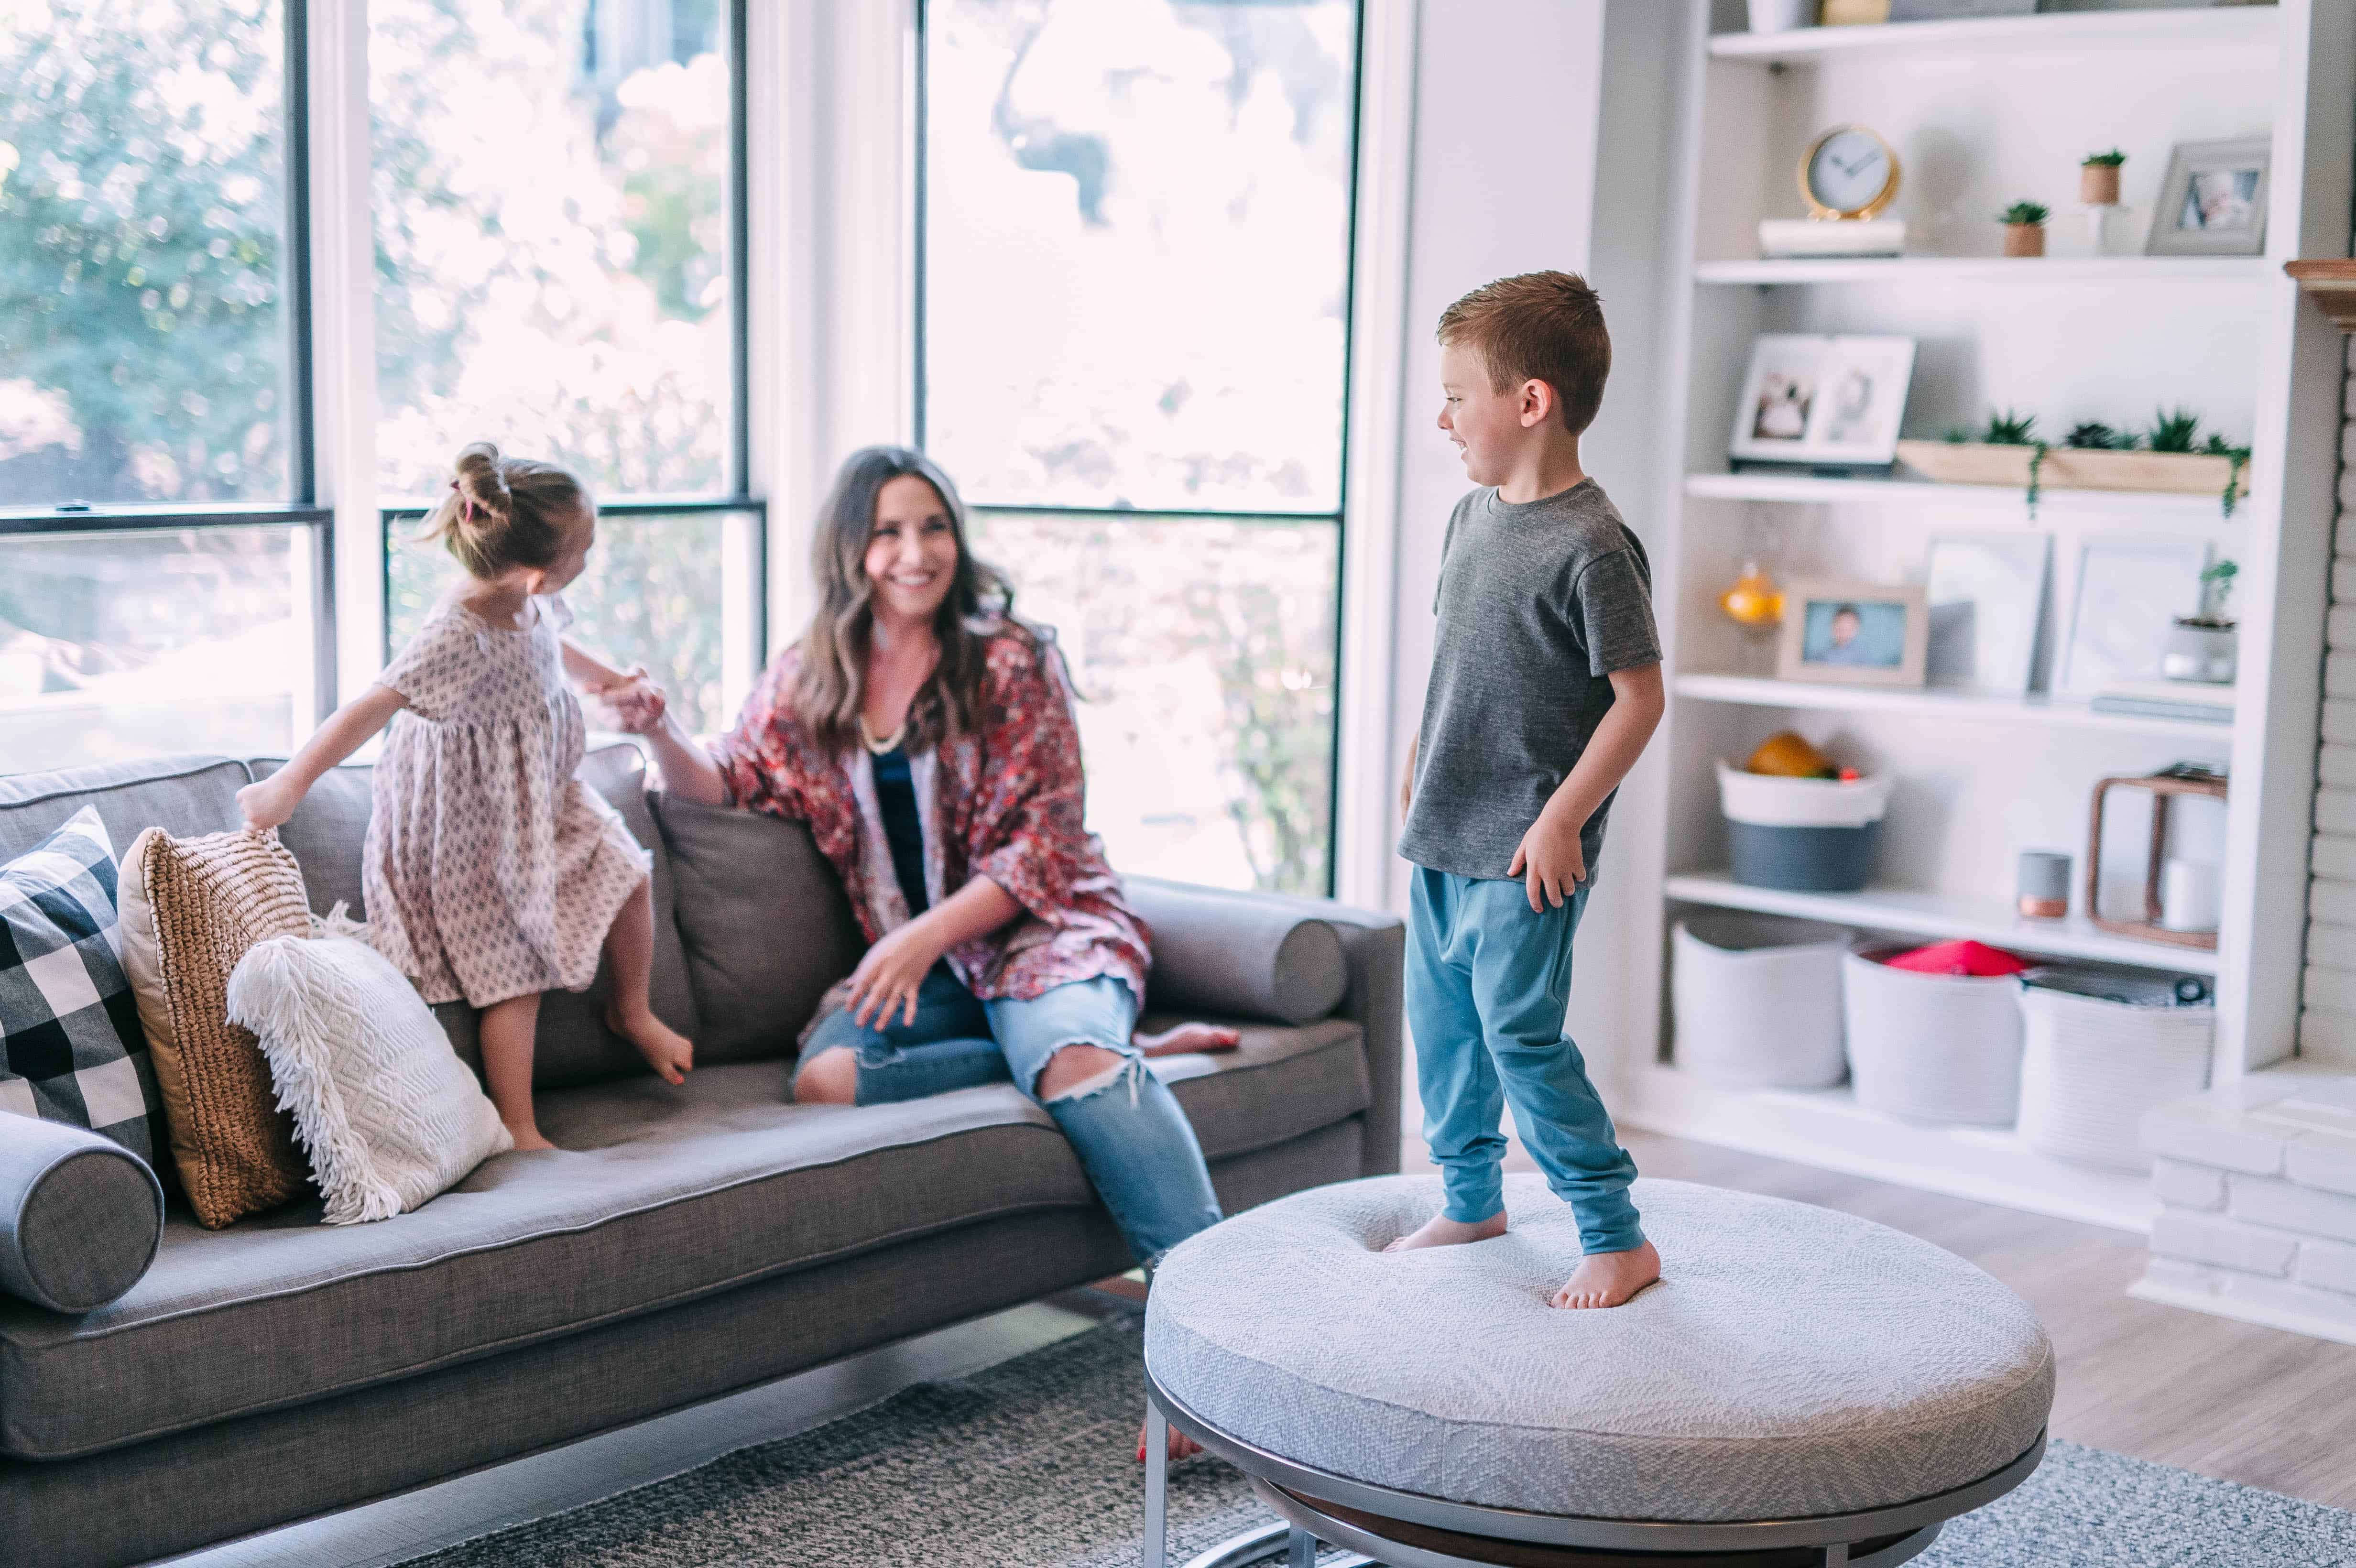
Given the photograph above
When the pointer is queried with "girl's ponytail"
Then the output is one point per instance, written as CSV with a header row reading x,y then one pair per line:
x,y
504,512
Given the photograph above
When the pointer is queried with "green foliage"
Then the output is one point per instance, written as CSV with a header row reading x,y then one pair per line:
x,y
2111,159
2095,436
2216,588
2023,212
2172,430
1956,435
2010,428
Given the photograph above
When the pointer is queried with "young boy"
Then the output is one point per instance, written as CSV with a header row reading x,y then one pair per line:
x,y
1545,685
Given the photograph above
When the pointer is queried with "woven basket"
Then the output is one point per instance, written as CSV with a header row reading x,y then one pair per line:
x,y
2090,1067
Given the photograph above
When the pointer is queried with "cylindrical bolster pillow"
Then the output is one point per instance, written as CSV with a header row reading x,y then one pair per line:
x,y
81,1216
1240,954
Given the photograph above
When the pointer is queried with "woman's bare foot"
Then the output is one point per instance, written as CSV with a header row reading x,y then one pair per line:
x,y
1186,1037
1607,1279
528,1139
1440,1231
670,1053
1180,1445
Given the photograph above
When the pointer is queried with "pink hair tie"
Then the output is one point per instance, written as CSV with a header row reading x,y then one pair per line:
x,y
465,502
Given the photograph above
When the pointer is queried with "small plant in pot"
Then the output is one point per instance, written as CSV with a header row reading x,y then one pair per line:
x,y
2095,436
2098,177
2024,228
2202,647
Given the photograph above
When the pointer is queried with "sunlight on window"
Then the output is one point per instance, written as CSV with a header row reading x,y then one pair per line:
x,y
1137,250
134,645
143,348
551,223
1203,652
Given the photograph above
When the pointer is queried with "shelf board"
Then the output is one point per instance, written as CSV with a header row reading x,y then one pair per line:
x,y
1987,920
1828,1129
2145,509
1791,270
2226,26
2332,284
2051,712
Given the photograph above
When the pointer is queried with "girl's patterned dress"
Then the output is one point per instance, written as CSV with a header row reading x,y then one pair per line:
x,y
1006,803
491,872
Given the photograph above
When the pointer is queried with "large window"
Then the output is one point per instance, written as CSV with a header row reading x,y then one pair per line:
x,y
1135,285
557,241
158,552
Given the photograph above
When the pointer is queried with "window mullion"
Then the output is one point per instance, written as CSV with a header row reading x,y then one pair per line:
x,y
343,339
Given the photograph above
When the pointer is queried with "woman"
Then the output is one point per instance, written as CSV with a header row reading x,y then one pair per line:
x,y
927,738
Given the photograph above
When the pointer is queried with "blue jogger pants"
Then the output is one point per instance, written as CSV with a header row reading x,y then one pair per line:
x,y
1488,981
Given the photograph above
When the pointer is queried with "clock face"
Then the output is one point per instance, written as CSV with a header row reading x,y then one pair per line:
x,y
1848,170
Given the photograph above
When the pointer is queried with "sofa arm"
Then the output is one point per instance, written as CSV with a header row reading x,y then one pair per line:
x,y
1228,951
81,1216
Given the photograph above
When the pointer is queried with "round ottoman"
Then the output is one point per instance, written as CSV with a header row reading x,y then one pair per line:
x,y
1802,1387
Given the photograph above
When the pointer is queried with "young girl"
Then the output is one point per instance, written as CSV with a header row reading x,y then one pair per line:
x,y
491,873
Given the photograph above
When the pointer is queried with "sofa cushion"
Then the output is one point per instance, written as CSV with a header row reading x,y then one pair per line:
x,y
329,830
659,1195
79,1216
180,794
1239,953
764,922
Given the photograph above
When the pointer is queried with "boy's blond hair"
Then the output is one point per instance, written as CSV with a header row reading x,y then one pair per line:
x,y
1538,326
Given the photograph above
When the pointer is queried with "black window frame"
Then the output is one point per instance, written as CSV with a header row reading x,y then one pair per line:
x,y
302,509
1338,516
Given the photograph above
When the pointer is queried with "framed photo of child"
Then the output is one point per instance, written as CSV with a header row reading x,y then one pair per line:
x,y
2213,200
1814,398
1860,633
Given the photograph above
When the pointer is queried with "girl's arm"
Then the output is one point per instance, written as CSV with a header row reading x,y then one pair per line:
x,y
585,669
272,800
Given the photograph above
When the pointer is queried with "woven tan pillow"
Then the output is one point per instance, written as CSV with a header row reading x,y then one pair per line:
x,y
190,908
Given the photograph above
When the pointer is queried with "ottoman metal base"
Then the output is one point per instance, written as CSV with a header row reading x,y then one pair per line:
x,y
1406,1530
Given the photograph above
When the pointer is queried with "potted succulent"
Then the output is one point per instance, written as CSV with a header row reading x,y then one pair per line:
x,y
2171,454
2202,647
2098,177
2024,228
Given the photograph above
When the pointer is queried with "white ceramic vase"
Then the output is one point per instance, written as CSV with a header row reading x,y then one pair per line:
x,y
1781,16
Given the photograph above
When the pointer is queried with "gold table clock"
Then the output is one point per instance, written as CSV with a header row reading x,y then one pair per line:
x,y
1848,176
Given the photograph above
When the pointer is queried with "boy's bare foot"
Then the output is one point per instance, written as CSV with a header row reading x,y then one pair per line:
x,y
1188,1037
1440,1231
527,1139
1607,1279
670,1053
1180,1445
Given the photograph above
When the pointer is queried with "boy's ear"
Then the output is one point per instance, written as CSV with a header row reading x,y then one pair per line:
x,y
1538,403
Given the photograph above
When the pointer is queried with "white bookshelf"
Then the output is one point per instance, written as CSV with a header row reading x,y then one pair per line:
x,y
1983,111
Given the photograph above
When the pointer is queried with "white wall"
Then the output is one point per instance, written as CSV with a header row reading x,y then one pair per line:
x,y
1542,130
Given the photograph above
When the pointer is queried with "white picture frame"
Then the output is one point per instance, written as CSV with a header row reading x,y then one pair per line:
x,y
1987,595
2213,199
1853,634
2129,591
1808,398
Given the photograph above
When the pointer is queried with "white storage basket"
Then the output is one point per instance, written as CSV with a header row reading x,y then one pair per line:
x,y
1933,1047
2090,1067
1756,1001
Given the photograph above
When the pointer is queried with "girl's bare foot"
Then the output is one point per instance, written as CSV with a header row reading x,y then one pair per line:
x,y
1186,1037
528,1139
1440,1231
1607,1279
1180,1445
670,1053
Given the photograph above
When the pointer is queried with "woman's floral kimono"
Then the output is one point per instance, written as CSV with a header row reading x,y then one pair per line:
x,y
1006,803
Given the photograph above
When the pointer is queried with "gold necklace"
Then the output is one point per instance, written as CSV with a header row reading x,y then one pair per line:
x,y
885,746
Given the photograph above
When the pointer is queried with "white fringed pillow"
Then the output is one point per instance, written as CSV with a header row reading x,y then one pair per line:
x,y
390,1115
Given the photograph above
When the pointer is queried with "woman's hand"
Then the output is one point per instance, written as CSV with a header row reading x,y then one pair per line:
x,y
635,703
887,979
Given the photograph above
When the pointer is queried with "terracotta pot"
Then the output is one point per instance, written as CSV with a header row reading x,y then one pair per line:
x,y
2098,184
2024,239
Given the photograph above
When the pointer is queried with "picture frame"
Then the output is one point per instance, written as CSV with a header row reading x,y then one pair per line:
x,y
1987,595
1813,398
1856,634
2213,199
2129,591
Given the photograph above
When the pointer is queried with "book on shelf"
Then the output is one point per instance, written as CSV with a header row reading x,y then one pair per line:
x,y
2196,700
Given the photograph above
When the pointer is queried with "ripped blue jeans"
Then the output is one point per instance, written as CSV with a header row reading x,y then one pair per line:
x,y
1131,1136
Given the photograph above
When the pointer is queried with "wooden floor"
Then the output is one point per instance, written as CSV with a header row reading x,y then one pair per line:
x,y
2255,1405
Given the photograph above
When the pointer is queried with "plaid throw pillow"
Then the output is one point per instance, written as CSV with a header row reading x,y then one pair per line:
x,y
70,1046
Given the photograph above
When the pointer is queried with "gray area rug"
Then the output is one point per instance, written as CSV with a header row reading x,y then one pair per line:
x,y
1030,1463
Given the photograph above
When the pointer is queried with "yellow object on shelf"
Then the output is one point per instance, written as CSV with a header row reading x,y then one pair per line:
x,y
1853,12
1754,600
1788,755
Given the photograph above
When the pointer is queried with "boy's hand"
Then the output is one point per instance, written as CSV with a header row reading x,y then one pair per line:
x,y
1550,861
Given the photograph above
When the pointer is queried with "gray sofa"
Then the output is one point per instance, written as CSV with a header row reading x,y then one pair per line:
x,y
691,1242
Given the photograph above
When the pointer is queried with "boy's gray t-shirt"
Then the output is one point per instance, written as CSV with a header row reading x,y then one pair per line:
x,y
1539,602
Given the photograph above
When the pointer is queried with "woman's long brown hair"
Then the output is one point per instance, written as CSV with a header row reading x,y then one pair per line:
x,y
830,688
